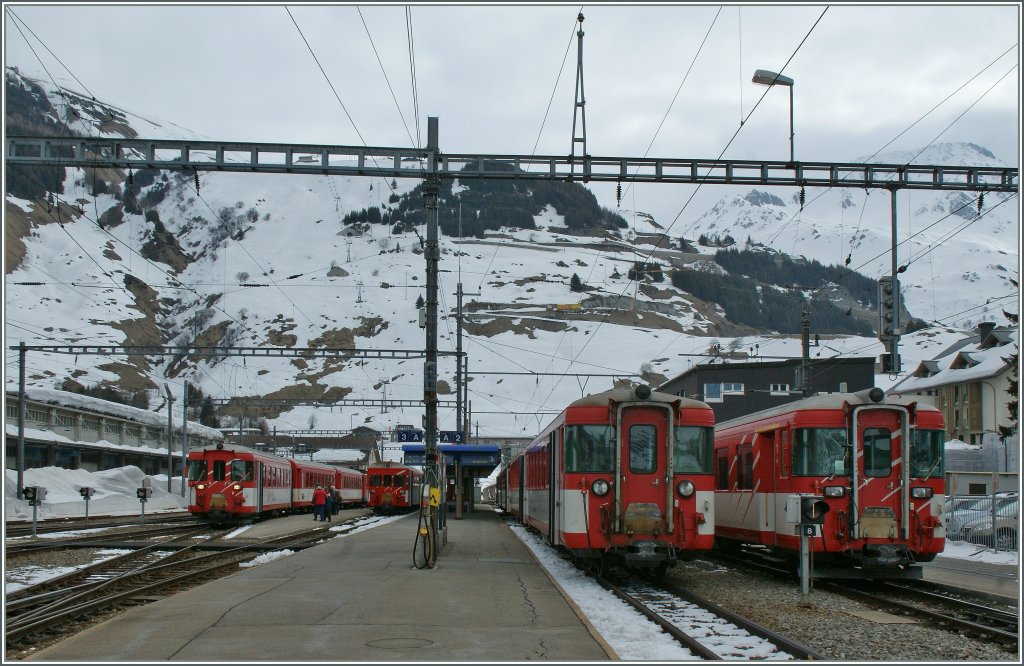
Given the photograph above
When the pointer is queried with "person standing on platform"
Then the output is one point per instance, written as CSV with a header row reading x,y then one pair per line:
x,y
319,502
329,502
335,500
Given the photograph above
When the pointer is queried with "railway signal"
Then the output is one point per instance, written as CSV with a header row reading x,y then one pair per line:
x,y
86,494
35,496
143,494
812,511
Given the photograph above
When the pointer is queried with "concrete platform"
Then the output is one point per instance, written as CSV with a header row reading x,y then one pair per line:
x,y
359,598
998,581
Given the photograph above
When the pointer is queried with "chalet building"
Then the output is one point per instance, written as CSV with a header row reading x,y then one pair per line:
x,y
737,389
968,382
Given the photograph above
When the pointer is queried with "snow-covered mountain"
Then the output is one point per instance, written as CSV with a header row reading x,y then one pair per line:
x,y
261,260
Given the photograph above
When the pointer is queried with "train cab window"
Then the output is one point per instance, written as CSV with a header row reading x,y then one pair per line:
x,y
242,470
643,449
589,448
877,452
400,481
196,470
692,451
926,453
375,480
219,469
820,452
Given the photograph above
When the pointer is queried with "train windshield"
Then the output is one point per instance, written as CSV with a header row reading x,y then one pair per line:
x,y
242,470
821,452
589,448
375,480
218,469
400,480
692,453
196,470
926,453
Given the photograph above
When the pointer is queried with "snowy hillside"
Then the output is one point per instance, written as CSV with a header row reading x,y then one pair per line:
x,y
266,261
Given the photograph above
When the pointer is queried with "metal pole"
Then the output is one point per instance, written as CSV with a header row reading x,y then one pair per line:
x,y
35,504
458,358
894,354
170,436
805,575
431,187
21,420
791,158
184,438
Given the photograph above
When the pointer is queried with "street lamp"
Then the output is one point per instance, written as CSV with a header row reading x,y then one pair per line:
x,y
766,78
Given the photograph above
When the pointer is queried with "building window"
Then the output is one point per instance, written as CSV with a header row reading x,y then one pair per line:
x,y
66,420
712,393
132,431
779,389
91,424
111,427
37,415
732,388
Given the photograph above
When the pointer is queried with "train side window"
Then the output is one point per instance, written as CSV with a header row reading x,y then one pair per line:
x,y
745,471
219,467
722,470
643,449
877,452
782,446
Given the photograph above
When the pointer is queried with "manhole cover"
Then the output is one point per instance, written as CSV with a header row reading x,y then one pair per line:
x,y
400,643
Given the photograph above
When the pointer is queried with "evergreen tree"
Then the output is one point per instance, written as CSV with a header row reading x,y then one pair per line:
x,y
420,302
576,284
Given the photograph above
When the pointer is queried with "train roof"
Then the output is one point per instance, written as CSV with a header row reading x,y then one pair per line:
x,y
234,448
628,394
831,401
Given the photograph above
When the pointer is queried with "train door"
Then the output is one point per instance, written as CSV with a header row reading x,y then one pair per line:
x,y
258,475
554,490
641,490
880,488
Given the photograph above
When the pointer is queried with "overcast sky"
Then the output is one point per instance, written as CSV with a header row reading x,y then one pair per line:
x,y
863,75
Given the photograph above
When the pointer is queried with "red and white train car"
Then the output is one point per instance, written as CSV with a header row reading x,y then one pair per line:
x,y
394,487
351,485
871,464
235,482
227,482
623,475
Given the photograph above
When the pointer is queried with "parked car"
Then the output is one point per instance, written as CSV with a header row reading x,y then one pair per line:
x,y
1002,534
963,509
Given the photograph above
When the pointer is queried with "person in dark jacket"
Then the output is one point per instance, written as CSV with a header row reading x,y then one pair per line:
x,y
329,503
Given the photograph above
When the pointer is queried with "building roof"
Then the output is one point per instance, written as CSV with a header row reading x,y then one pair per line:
x,y
971,359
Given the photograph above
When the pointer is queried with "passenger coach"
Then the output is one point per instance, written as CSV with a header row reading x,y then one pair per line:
x,y
868,468
623,475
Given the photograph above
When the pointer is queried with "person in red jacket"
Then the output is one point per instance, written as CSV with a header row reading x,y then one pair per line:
x,y
319,503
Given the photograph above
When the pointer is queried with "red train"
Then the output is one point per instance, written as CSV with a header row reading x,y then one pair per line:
x,y
869,466
394,487
621,476
228,482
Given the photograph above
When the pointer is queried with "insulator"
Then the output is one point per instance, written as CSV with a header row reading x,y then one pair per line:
x,y
803,197
618,193
197,182
131,177
981,202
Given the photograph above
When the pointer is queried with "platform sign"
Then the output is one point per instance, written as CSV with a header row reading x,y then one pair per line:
x,y
410,435
451,437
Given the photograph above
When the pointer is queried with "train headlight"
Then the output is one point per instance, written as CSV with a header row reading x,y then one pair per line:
x,y
201,486
600,487
834,491
685,488
921,493
237,486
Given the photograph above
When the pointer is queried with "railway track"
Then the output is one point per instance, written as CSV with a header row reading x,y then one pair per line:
x,y
942,610
52,610
116,537
706,629
23,528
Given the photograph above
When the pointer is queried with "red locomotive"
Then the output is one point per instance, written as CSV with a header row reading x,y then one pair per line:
x,y
866,468
623,475
228,482
394,487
